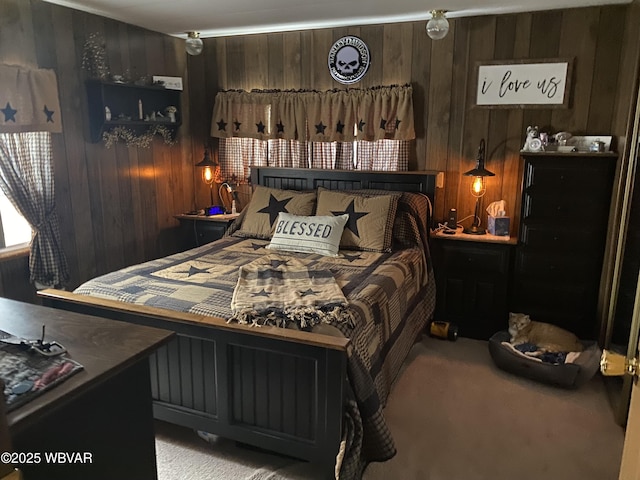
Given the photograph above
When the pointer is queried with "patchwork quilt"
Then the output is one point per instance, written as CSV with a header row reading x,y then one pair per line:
x,y
380,289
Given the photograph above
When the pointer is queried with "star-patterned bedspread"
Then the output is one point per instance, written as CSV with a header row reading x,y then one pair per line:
x,y
390,297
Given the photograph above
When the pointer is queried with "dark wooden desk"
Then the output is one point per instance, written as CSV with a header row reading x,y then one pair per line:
x,y
104,411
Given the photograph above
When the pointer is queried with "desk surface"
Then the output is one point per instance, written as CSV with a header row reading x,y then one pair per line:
x,y
104,347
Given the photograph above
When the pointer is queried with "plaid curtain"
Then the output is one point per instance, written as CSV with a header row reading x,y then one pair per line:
x,y
387,155
26,178
287,153
365,129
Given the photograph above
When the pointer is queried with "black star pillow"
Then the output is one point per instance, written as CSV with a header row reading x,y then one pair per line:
x,y
265,205
370,221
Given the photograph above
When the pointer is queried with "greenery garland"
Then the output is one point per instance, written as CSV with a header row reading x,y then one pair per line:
x,y
94,57
133,139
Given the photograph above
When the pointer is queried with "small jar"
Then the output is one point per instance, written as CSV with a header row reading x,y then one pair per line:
x,y
596,146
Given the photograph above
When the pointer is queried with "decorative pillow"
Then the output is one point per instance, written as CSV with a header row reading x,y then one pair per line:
x,y
265,205
319,234
370,224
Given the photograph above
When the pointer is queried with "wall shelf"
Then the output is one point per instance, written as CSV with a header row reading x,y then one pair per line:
x,y
125,101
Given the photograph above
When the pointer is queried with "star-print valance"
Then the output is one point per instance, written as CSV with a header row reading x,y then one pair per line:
x,y
334,115
29,100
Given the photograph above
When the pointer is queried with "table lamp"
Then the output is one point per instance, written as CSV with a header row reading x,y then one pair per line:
x,y
478,189
208,171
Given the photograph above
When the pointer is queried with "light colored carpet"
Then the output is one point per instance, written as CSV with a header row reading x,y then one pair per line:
x,y
454,416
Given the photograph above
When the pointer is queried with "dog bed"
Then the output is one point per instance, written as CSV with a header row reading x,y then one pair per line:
x,y
567,375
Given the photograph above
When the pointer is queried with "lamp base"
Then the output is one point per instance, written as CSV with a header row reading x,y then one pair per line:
x,y
474,230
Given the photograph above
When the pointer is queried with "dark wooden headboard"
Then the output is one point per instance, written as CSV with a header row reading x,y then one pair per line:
x,y
312,178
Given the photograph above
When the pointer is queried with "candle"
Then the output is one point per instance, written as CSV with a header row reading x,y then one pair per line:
x,y
140,109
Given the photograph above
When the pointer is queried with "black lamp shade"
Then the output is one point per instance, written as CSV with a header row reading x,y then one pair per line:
x,y
206,161
479,170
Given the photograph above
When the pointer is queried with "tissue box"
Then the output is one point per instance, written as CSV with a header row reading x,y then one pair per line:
x,y
498,225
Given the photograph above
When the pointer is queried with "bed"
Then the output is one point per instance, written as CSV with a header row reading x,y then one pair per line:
x,y
314,391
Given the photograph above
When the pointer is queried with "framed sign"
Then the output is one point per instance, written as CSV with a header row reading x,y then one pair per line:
x,y
524,84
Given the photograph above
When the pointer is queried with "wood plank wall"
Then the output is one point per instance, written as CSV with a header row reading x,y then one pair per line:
x,y
448,126
115,205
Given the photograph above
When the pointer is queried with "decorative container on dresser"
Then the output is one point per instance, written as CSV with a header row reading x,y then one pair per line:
x,y
563,228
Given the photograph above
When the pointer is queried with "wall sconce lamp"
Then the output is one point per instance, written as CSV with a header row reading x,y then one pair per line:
x,y
193,44
208,171
438,25
478,189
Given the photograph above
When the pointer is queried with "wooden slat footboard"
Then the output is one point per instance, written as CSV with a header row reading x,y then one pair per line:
x,y
271,388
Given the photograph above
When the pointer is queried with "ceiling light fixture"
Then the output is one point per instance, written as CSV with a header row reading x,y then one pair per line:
x,y
438,25
193,44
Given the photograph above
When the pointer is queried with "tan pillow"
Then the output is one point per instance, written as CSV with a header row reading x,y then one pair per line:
x,y
368,223
265,205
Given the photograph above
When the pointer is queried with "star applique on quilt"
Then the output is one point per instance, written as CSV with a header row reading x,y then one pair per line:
x,y
261,293
352,258
278,263
194,271
308,292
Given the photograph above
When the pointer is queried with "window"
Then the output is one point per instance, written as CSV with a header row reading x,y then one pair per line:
x,y
238,154
15,229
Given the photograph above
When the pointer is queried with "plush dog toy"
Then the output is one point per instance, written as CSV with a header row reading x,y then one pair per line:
x,y
532,143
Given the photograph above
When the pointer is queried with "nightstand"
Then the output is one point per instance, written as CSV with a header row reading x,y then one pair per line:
x,y
472,281
201,229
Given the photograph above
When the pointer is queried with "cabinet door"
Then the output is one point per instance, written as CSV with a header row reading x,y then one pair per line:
x,y
558,261
198,232
208,232
472,286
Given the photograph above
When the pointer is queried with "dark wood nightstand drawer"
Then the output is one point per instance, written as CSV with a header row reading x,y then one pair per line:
x,y
477,259
551,265
561,207
545,175
547,237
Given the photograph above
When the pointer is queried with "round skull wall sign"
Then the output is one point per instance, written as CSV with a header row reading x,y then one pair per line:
x,y
349,59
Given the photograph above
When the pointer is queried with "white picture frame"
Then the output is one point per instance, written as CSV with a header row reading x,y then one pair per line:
x,y
523,83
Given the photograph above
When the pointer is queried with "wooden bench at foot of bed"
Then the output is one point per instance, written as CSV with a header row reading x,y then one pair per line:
x,y
273,388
